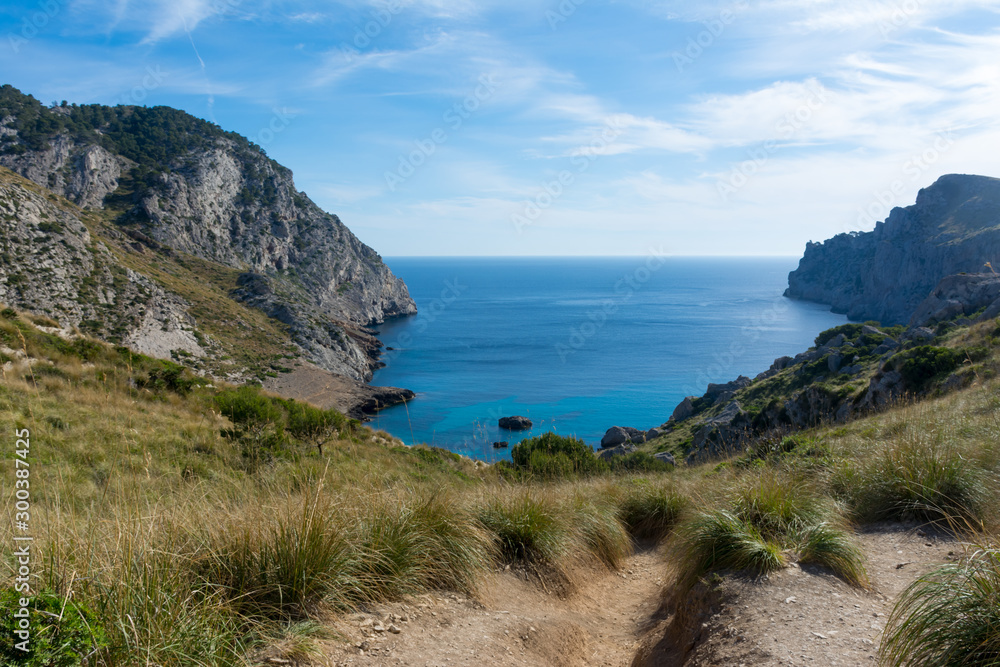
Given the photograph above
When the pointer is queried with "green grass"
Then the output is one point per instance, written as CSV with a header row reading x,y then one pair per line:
x,y
948,617
527,525
913,478
651,510
150,514
721,540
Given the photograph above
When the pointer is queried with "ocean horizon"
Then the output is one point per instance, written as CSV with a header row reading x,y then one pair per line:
x,y
578,344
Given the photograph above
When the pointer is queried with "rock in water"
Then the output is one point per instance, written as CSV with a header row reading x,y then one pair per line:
x,y
516,423
501,445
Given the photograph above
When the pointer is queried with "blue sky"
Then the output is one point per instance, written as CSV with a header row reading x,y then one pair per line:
x,y
557,127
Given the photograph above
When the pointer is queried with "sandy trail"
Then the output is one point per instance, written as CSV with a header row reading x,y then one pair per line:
x,y
798,616
515,623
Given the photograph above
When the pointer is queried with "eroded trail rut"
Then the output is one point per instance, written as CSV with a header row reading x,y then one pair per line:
x,y
799,616
516,623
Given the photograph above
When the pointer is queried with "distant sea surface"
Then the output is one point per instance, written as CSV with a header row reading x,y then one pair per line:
x,y
579,344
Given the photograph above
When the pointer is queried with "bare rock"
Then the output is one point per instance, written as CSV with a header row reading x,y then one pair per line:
x,y
517,423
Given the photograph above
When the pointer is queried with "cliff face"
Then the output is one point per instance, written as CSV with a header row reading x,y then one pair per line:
x,y
170,180
52,264
885,274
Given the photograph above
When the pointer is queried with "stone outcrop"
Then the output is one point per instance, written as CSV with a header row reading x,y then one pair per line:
x,y
724,433
214,196
619,435
53,265
885,274
960,295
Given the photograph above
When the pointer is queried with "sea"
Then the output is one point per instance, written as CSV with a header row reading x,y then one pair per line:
x,y
578,345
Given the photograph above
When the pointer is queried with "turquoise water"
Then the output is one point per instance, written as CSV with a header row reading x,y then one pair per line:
x,y
579,344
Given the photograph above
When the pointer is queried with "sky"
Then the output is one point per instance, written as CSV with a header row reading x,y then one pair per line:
x,y
556,127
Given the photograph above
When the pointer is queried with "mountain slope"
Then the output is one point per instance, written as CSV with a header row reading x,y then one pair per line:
x,y
157,180
883,275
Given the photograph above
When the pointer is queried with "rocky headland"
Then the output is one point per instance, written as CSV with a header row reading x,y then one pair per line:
x,y
885,274
153,229
926,272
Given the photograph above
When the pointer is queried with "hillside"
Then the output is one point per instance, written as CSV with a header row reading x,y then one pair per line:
x,y
158,197
180,523
883,275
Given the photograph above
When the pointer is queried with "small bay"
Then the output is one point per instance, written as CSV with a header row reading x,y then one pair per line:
x,y
579,344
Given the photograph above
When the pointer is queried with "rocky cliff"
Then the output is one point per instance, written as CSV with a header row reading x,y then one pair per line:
x,y
157,180
883,275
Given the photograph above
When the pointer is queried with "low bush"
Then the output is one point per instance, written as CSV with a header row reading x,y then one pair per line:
x,y
921,364
63,632
552,456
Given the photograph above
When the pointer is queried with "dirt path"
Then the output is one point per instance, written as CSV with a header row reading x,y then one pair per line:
x,y
806,616
798,616
516,623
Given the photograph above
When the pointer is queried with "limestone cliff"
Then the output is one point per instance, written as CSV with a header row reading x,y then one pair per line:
x,y
170,181
885,274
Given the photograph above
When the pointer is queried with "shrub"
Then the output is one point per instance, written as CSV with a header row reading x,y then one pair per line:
x,y
948,617
920,365
64,632
312,424
169,376
246,407
850,331
553,456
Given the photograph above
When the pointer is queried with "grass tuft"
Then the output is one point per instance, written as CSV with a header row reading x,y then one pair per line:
x,y
600,531
831,547
720,540
914,480
948,617
650,511
527,525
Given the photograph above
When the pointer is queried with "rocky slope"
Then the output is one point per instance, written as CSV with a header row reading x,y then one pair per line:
x,y
883,275
163,182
